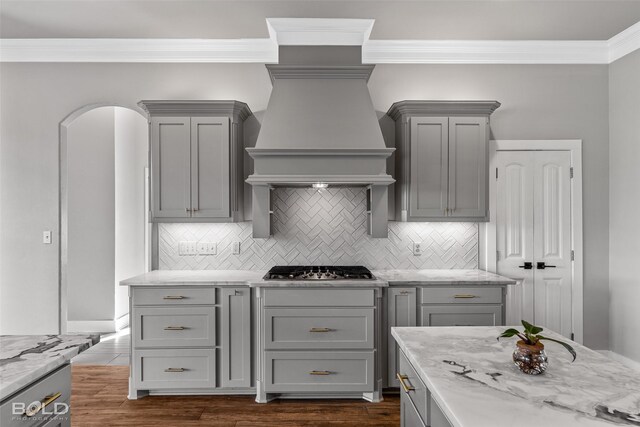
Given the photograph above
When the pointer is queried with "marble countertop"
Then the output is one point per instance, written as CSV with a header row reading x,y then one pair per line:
x,y
442,277
255,278
474,381
25,358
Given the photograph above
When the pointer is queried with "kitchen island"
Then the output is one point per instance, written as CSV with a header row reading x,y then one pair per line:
x,y
35,368
464,377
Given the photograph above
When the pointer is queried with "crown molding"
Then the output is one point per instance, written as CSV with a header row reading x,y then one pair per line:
x,y
320,72
624,42
411,107
484,52
139,50
319,31
196,107
312,31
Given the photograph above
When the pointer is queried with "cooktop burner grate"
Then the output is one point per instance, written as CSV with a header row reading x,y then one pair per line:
x,y
320,272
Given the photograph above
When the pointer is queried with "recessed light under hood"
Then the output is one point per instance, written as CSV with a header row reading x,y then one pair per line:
x,y
320,127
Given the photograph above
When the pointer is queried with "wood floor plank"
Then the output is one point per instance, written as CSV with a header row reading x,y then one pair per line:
x,y
99,399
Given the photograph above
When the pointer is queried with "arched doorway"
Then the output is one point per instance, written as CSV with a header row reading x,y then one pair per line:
x,y
103,227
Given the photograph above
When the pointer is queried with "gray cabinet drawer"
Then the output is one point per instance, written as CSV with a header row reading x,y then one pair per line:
x,y
318,328
173,369
415,390
174,326
56,382
459,295
174,296
315,371
330,297
409,416
461,315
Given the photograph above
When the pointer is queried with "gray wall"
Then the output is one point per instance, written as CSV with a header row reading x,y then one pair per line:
x,y
538,102
91,229
624,197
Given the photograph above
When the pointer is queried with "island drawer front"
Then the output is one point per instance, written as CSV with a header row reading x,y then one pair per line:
x,y
54,383
417,390
461,315
174,369
174,296
174,326
333,297
409,415
318,328
318,371
458,295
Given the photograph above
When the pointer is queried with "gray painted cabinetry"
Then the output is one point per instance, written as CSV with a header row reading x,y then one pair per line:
x,y
439,306
196,160
190,340
319,343
442,160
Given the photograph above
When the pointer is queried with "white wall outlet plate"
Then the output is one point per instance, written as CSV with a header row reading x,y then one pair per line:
x,y
46,237
207,248
417,248
188,248
236,248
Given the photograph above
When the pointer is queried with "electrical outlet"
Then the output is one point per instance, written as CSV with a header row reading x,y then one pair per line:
x,y
417,248
236,248
188,248
207,248
46,237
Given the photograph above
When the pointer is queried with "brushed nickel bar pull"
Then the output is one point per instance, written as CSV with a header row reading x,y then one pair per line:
x,y
465,296
405,387
175,328
319,330
173,297
175,370
319,373
48,399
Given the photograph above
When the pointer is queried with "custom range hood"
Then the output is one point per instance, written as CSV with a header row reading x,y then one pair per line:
x,y
320,128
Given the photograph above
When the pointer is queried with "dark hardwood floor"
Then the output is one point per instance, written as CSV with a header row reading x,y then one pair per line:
x,y
99,399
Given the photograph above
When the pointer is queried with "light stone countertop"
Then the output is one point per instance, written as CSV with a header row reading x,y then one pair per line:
x,y
441,277
255,279
26,358
474,381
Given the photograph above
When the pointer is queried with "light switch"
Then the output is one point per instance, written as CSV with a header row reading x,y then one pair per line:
x,y
188,248
46,237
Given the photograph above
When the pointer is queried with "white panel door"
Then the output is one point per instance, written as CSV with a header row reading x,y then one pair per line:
x,y
534,226
552,240
514,230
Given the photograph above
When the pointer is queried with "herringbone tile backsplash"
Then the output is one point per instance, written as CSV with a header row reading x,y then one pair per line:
x,y
322,228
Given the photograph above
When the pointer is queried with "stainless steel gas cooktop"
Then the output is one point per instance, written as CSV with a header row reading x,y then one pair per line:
x,y
302,272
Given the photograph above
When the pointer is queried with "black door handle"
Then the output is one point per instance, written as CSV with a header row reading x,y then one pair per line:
x,y
542,266
528,266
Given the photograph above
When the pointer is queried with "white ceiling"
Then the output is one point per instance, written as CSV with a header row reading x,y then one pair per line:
x,y
426,20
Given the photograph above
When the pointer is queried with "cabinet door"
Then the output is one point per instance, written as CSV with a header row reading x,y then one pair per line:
x,y
236,337
429,167
409,416
461,315
170,170
401,311
210,167
468,171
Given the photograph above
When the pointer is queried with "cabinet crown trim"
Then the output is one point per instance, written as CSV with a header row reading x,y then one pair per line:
x,y
320,71
236,109
447,108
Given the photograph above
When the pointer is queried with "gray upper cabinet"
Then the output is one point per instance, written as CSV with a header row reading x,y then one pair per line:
x,y
442,160
196,160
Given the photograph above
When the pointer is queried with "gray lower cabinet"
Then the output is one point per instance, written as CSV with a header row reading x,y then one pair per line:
x,y
319,341
196,160
54,393
442,155
438,306
417,407
190,339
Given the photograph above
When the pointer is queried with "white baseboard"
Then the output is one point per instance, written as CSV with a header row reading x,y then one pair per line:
x,y
620,358
75,326
122,322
